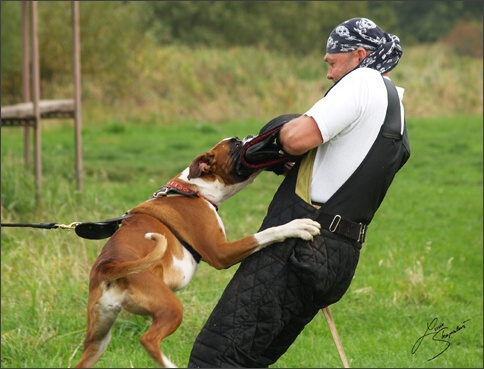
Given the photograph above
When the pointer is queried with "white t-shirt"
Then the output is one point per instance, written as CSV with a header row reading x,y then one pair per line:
x,y
349,118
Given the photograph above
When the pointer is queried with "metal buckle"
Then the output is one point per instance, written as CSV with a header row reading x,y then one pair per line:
x,y
362,234
163,191
332,227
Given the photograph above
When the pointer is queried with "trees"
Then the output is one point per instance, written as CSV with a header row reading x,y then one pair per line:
x,y
293,26
109,41
430,21
116,35
287,26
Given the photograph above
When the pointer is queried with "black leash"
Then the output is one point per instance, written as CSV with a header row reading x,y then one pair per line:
x,y
106,228
34,225
89,230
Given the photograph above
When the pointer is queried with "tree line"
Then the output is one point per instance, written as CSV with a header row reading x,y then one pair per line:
x,y
296,26
113,33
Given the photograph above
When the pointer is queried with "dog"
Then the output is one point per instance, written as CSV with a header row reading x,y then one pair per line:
x,y
157,249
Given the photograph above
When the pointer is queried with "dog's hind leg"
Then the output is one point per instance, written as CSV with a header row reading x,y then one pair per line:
x,y
101,315
151,296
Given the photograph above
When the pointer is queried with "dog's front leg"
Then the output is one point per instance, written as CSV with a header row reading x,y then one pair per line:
x,y
298,228
226,254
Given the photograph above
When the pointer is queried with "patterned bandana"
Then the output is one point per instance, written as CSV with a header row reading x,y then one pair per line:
x,y
361,32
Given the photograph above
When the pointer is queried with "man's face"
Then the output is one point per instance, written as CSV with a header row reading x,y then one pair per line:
x,y
340,64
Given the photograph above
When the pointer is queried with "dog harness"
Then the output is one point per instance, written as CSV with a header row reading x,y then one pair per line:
x,y
174,187
178,188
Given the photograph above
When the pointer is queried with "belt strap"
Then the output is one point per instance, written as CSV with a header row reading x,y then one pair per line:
x,y
343,227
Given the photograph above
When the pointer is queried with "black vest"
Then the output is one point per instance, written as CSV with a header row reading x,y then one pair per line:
x,y
361,195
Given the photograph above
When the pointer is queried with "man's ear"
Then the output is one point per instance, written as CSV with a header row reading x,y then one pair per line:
x,y
201,164
362,54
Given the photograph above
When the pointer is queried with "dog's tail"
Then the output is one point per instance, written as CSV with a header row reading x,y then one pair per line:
x,y
113,271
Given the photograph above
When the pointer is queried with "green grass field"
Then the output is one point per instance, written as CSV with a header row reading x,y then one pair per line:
x,y
421,264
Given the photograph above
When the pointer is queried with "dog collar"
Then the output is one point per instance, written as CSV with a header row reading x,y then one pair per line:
x,y
181,189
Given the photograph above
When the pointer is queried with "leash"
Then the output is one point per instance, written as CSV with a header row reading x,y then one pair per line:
x,y
106,228
89,230
42,225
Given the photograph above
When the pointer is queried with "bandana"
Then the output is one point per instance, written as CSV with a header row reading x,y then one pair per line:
x,y
385,49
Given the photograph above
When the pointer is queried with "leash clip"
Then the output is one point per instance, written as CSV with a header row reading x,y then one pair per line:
x,y
69,226
334,223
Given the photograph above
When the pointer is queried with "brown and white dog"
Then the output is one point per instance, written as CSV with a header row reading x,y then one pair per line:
x,y
148,257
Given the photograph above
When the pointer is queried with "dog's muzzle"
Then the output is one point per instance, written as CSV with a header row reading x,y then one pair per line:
x,y
239,169
265,151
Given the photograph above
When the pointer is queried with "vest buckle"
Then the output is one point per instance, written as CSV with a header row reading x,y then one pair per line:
x,y
334,223
362,233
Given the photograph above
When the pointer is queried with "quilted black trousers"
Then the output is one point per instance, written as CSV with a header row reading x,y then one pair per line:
x,y
272,296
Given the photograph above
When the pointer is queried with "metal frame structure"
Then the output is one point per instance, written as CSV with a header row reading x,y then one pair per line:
x,y
29,113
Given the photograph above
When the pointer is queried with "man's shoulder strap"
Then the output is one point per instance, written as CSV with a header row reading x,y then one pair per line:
x,y
392,125
393,119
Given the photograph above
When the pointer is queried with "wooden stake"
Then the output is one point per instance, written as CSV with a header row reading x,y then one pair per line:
x,y
336,339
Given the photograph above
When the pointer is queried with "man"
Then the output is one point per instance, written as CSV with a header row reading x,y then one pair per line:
x,y
348,147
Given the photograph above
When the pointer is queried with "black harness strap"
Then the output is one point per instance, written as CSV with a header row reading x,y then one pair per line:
x,y
190,249
173,188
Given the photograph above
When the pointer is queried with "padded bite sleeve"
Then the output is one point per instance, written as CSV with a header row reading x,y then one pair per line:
x,y
265,151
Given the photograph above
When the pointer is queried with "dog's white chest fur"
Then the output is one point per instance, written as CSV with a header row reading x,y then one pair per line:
x,y
182,271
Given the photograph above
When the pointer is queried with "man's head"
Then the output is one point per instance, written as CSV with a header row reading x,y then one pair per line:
x,y
359,42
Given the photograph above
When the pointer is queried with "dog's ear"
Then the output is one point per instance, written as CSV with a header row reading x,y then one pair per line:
x,y
201,164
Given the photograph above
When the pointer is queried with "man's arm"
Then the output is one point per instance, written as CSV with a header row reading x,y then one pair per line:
x,y
300,135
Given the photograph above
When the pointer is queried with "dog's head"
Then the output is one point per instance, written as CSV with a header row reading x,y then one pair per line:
x,y
218,173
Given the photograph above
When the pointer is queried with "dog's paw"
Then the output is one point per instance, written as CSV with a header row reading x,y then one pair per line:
x,y
303,228
307,228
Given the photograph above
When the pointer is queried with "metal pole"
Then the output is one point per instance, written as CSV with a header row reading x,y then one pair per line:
x,y
336,339
77,92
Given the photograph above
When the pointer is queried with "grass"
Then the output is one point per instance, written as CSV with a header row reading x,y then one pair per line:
x,y
422,259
